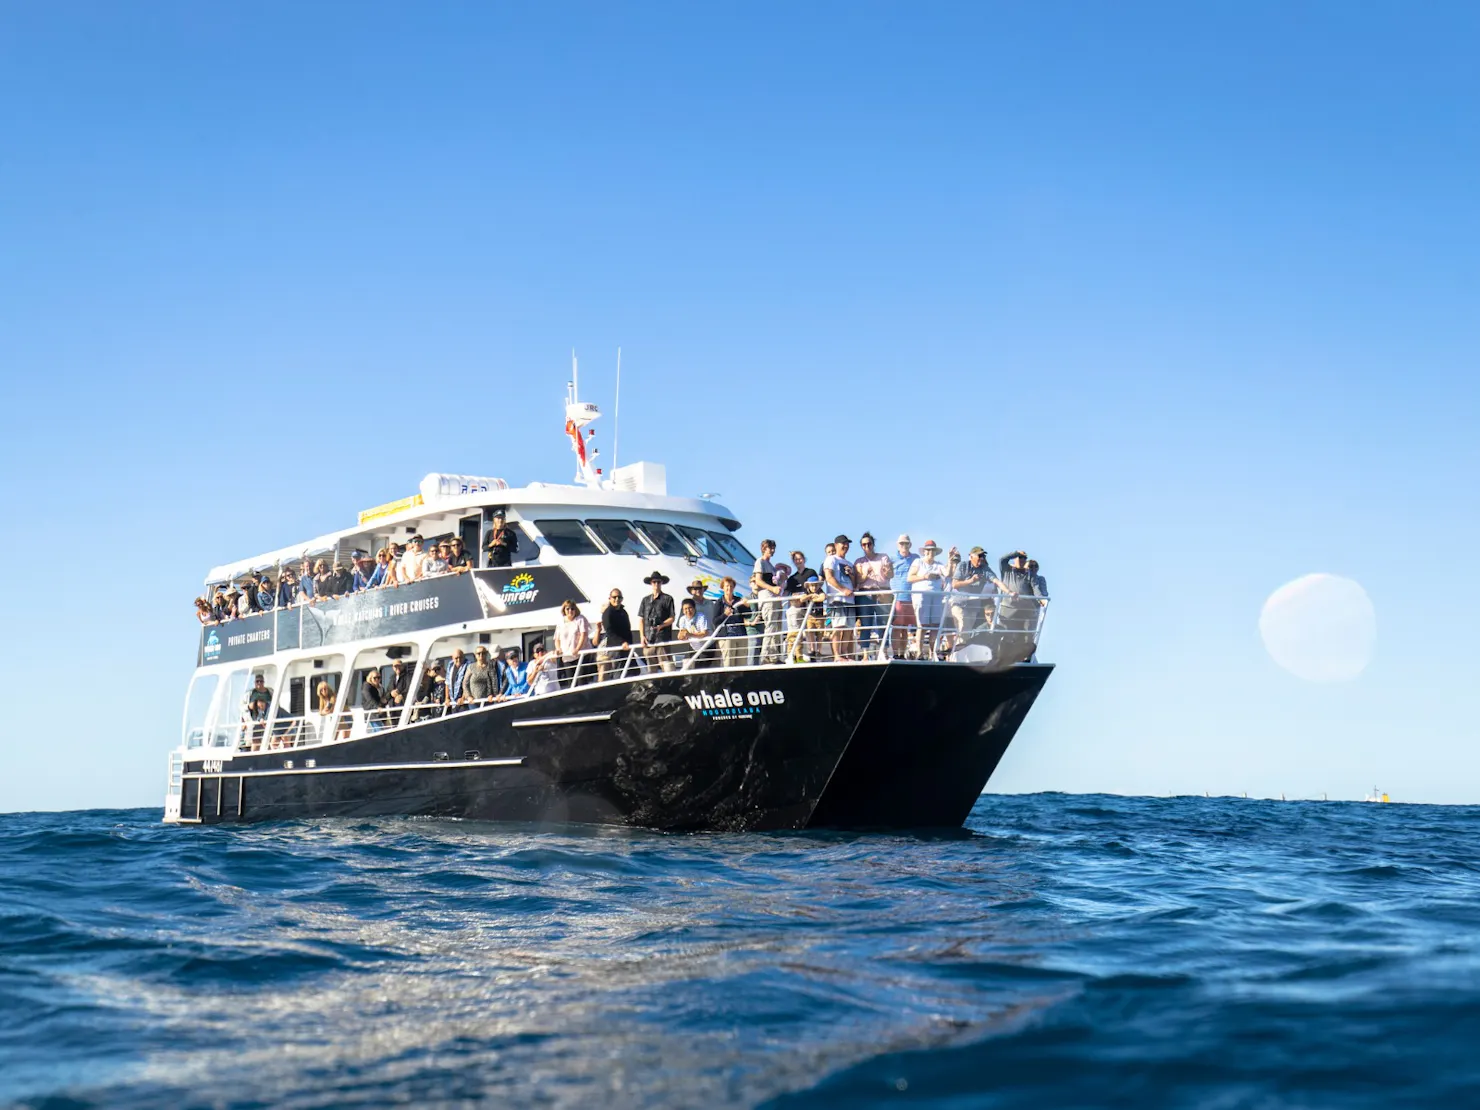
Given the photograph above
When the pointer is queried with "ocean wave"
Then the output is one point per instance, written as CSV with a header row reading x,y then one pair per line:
x,y
1061,951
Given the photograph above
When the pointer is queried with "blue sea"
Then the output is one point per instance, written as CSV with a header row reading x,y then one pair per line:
x,y
1060,951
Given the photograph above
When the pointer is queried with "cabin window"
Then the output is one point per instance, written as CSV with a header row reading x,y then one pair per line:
x,y
621,537
569,537
665,538
737,551
198,708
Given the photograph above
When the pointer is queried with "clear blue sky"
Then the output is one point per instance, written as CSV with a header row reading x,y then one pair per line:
x,y
1184,299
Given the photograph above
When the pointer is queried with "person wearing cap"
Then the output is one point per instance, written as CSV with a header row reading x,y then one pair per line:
x,y
542,667
431,697
928,579
971,585
343,581
839,580
874,570
809,643
1016,582
259,701
656,617
502,543
513,676
903,620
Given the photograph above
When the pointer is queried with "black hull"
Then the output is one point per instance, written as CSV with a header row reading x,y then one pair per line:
x,y
894,745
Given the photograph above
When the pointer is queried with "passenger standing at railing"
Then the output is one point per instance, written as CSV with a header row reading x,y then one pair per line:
x,y
502,543
305,584
769,589
572,638
795,586
730,612
259,701
693,629
1040,583
400,688
434,564
809,644
266,594
372,701
513,676
367,575
616,638
655,618
970,583
457,558
323,581
287,588
839,580
1020,611
203,611
325,694
456,673
541,675
343,580
432,697
480,682
927,581
903,619
874,572
410,568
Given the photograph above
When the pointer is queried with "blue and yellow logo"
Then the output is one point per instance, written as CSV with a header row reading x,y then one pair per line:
x,y
520,590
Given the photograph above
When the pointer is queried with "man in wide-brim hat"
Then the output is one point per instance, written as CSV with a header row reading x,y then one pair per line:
x,y
656,615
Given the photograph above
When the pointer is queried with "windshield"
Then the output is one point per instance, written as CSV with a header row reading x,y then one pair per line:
x,y
665,538
621,537
568,537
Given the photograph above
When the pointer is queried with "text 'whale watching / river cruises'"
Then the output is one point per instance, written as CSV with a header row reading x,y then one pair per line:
x,y
483,652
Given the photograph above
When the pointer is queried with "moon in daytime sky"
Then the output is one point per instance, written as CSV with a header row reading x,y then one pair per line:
x,y
1320,627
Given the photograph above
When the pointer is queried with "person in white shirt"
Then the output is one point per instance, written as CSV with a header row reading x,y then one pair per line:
x,y
542,664
692,626
928,578
572,637
839,578
411,561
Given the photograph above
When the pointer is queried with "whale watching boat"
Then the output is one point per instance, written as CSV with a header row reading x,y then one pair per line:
x,y
900,728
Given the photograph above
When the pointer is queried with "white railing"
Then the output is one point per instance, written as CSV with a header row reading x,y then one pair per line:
x,y
948,626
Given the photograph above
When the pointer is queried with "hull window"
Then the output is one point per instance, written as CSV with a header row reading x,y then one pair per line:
x,y
666,539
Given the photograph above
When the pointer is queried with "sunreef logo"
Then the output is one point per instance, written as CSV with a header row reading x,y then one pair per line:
x,y
730,706
520,590
213,647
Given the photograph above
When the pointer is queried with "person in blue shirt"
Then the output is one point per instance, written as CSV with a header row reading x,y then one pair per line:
x,y
287,587
367,575
513,676
456,670
904,609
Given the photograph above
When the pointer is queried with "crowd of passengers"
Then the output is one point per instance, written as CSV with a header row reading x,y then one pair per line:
x,y
318,580
905,605
902,606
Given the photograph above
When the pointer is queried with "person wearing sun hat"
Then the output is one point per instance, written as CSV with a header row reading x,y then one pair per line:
x,y
656,615
928,579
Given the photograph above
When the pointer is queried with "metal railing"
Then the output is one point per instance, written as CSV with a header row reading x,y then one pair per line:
x,y
949,626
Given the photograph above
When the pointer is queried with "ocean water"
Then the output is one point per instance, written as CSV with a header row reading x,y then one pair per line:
x,y
1060,951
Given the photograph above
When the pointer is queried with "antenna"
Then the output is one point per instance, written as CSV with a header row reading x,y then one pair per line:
x,y
575,377
617,411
